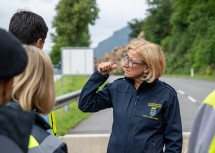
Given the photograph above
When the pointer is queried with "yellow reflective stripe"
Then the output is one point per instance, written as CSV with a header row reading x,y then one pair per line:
x,y
212,146
210,99
32,142
52,121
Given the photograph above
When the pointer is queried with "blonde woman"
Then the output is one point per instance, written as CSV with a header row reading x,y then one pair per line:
x,y
146,114
33,90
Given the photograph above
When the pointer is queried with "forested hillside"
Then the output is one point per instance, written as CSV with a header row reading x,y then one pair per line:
x,y
185,30
119,38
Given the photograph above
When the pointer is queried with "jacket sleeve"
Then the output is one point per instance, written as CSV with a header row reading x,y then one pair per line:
x,y
173,138
92,100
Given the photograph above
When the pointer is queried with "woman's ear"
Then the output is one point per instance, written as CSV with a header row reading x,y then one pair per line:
x,y
146,71
39,43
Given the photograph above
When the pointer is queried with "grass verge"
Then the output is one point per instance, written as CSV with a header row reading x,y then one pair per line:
x,y
67,120
68,84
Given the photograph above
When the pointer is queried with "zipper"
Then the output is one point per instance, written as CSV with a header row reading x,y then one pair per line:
x,y
153,146
131,125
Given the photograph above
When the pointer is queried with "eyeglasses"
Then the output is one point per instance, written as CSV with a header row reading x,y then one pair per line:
x,y
130,61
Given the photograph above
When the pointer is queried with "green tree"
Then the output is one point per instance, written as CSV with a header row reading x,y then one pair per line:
x,y
185,30
156,26
202,20
192,36
72,25
136,27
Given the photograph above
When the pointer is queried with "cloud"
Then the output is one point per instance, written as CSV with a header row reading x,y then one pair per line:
x,y
113,15
45,8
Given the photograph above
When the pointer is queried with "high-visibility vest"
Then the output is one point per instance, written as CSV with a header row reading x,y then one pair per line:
x,y
202,138
53,123
41,141
210,100
49,145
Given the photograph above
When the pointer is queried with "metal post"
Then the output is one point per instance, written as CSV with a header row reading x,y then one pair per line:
x,y
192,72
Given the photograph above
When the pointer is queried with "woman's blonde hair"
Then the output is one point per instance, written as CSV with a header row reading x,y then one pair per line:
x,y
34,88
152,55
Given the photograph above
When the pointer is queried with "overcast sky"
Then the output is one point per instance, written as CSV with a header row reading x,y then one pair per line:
x,y
113,15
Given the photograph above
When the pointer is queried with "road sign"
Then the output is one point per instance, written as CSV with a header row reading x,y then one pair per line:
x,y
77,61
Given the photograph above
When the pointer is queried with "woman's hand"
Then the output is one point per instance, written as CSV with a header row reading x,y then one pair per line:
x,y
106,67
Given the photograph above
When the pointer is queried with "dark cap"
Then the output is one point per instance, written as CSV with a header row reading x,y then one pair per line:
x,y
13,58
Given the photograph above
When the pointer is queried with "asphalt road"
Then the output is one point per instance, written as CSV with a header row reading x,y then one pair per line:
x,y
191,93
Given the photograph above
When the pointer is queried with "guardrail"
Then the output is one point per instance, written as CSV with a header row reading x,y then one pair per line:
x,y
66,99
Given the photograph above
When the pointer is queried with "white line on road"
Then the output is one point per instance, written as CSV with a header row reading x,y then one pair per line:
x,y
192,99
189,97
181,92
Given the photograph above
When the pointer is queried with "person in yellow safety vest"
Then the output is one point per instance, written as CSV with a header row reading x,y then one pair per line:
x,y
31,34
43,142
202,138
33,90
52,122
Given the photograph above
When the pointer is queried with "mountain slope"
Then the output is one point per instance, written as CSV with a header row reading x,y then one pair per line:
x,y
120,37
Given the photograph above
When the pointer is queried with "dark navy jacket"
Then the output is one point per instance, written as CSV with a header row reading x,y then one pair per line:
x,y
47,142
15,129
145,120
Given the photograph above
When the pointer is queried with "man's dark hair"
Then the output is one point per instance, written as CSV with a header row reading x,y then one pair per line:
x,y
28,27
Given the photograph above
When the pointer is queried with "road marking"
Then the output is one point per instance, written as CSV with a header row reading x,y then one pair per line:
x,y
181,92
192,99
189,97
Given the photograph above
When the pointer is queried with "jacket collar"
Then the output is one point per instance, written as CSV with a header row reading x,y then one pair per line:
x,y
39,121
144,84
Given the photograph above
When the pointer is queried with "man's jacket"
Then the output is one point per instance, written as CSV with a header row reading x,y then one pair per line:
x,y
144,120
15,129
42,141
